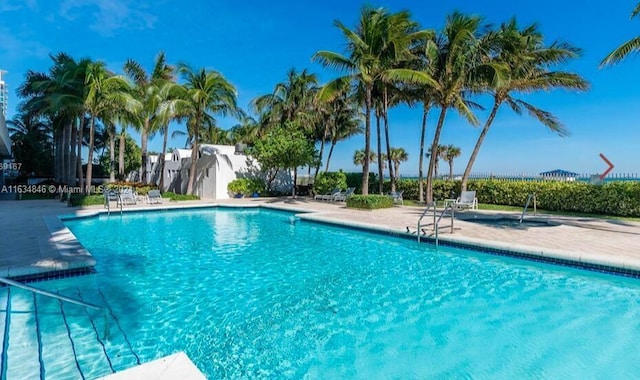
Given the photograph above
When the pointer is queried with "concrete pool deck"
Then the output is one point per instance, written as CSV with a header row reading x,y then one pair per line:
x,y
33,240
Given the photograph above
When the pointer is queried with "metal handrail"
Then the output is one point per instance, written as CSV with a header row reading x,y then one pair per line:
x,y
61,298
531,196
449,207
429,206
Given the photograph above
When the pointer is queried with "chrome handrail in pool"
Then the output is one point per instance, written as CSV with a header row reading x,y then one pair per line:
x,y
429,207
61,298
531,196
448,207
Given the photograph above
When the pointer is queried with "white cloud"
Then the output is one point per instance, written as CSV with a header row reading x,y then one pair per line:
x,y
110,15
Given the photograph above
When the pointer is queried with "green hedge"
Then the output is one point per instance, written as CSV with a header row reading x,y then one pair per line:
x,y
369,202
614,198
87,200
180,197
326,182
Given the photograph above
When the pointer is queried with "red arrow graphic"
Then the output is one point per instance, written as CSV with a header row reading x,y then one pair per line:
x,y
608,169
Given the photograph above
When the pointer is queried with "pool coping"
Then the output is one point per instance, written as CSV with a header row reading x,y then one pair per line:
x,y
71,256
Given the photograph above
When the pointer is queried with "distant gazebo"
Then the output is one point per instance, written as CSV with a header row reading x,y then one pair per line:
x,y
560,174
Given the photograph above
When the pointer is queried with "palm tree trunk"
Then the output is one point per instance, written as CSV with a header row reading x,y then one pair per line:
x,y
64,163
367,141
324,136
451,169
161,158
379,136
57,168
79,155
144,141
423,131
386,135
476,149
194,157
72,155
112,157
92,127
333,144
434,151
121,156
295,180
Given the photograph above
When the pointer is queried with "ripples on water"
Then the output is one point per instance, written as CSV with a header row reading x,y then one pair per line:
x,y
248,294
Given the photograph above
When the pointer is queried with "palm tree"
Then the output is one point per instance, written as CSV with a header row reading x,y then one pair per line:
x,y
449,153
438,155
205,93
33,144
369,49
456,58
105,94
620,53
526,62
342,122
359,157
147,92
398,155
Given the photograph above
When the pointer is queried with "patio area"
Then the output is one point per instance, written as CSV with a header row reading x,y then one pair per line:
x,y
33,240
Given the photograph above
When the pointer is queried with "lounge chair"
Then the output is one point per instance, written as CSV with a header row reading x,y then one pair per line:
x,y
109,196
466,200
154,196
397,197
128,197
342,197
324,197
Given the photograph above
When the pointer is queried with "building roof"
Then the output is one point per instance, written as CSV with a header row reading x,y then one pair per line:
x,y
559,173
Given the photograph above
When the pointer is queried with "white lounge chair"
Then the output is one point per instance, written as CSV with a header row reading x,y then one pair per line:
x,y
109,196
466,200
324,197
342,197
154,196
397,197
128,197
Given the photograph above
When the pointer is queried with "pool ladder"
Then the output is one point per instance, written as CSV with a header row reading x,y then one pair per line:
x,y
436,219
531,197
107,201
61,298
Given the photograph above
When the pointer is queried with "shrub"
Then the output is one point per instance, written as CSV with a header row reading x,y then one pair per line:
x,y
369,202
239,186
326,182
355,180
180,197
86,200
256,185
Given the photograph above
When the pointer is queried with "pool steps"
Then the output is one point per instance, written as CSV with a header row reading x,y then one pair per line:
x,y
67,339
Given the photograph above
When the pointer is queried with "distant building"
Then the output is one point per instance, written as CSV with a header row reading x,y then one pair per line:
x,y
5,141
560,175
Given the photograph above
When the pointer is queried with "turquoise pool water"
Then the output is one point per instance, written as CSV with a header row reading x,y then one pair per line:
x,y
247,294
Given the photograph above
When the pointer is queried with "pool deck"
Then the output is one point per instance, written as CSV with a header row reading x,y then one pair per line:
x,y
33,240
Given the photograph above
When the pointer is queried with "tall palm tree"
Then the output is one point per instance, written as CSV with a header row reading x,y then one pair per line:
x,y
105,94
205,93
622,51
449,153
147,92
368,51
457,57
169,93
33,143
398,155
527,63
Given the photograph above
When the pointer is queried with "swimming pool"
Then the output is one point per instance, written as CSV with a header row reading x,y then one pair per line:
x,y
246,293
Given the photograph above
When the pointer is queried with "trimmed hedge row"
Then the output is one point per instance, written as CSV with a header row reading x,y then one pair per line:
x,y
326,182
369,202
613,198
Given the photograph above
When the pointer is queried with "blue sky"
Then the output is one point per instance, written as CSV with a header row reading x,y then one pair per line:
x,y
254,43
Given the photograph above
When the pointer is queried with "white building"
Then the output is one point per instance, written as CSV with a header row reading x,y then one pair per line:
x,y
5,141
217,165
